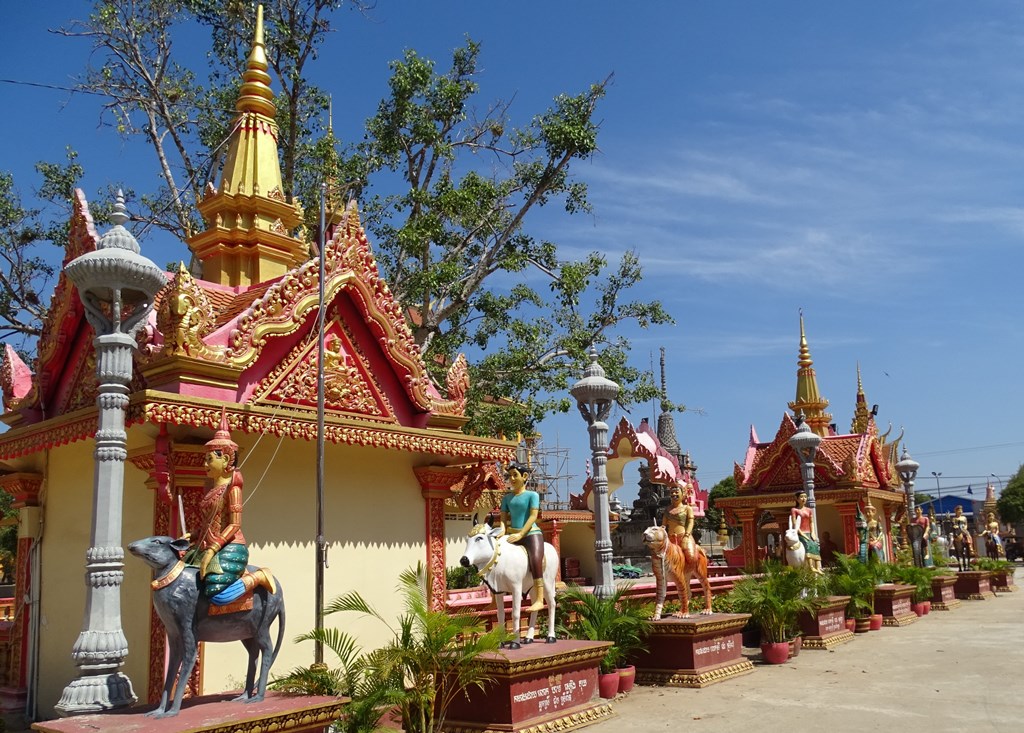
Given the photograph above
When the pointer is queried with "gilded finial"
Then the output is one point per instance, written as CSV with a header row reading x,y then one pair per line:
x,y
256,94
804,358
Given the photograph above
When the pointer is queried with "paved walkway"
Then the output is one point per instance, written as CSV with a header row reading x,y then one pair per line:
x,y
957,670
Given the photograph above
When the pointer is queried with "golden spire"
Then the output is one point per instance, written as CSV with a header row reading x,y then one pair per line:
x,y
861,413
808,400
248,221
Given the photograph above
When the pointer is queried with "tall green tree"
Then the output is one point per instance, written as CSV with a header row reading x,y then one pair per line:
x,y
1011,500
26,263
712,515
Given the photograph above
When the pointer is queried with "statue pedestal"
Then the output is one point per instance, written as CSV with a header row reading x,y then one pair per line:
x,y
974,585
825,628
1002,581
892,600
213,714
943,593
538,687
693,652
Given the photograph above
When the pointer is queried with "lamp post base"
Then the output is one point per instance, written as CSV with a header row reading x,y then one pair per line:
x,y
96,693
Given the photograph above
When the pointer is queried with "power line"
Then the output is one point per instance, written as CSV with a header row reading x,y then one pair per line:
x,y
91,92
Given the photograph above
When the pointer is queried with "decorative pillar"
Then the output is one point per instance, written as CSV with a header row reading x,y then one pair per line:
x,y
747,519
24,490
552,530
594,395
907,468
848,517
117,286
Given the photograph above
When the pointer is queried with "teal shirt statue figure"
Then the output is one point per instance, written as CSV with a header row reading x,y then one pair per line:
x,y
519,511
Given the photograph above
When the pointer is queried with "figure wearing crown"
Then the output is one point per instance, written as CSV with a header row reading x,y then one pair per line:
x,y
219,549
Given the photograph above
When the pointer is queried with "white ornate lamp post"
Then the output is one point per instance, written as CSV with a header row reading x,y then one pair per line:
x,y
805,443
595,394
907,468
117,286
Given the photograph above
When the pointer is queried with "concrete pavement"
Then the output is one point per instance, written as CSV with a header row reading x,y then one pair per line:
x,y
951,671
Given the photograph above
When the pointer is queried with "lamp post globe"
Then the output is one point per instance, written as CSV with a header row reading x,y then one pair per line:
x,y
804,443
907,468
595,394
117,286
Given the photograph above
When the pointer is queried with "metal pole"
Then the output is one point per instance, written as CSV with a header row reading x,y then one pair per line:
x,y
938,489
321,547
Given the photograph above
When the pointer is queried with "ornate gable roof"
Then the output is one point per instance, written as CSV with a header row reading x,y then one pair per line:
x,y
856,458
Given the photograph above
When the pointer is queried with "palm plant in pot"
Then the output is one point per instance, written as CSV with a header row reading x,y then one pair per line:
x,y
921,579
622,621
850,577
774,599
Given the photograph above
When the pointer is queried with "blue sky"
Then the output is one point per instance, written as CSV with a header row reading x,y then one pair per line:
x,y
862,161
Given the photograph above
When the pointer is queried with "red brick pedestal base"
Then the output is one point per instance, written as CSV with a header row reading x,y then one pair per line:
x,y
538,687
213,714
693,652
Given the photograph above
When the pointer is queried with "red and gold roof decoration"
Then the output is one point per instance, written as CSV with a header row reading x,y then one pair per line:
x,y
842,460
627,444
64,318
350,385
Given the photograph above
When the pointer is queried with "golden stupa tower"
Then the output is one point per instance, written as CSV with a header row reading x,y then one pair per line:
x,y
248,220
861,413
808,400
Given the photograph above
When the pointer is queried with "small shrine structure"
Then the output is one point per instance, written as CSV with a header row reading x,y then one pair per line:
x,y
850,470
240,337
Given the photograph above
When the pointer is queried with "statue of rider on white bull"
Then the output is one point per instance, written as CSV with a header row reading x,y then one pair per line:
x,y
531,568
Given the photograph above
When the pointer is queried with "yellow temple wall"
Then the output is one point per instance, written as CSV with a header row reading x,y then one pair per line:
x,y
66,499
374,525
577,540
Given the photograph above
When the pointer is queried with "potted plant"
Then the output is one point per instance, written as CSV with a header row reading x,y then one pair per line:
x,y
432,657
1002,572
774,600
850,577
921,579
583,615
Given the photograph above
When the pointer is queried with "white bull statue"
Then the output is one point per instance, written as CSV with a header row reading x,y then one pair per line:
x,y
504,568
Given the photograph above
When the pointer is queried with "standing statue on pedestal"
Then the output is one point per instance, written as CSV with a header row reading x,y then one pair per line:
x,y
961,542
205,591
801,519
993,542
875,534
921,520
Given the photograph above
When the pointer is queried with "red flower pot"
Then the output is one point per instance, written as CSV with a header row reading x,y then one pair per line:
x,y
851,624
876,622
775,653
927,607
794,645
917,608
627,676
608,685
862,625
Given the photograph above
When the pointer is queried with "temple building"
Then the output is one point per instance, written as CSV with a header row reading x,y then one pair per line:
x,y
851,471
241,338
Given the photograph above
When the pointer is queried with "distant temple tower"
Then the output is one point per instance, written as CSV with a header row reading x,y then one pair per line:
x,y
808,400
861,413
